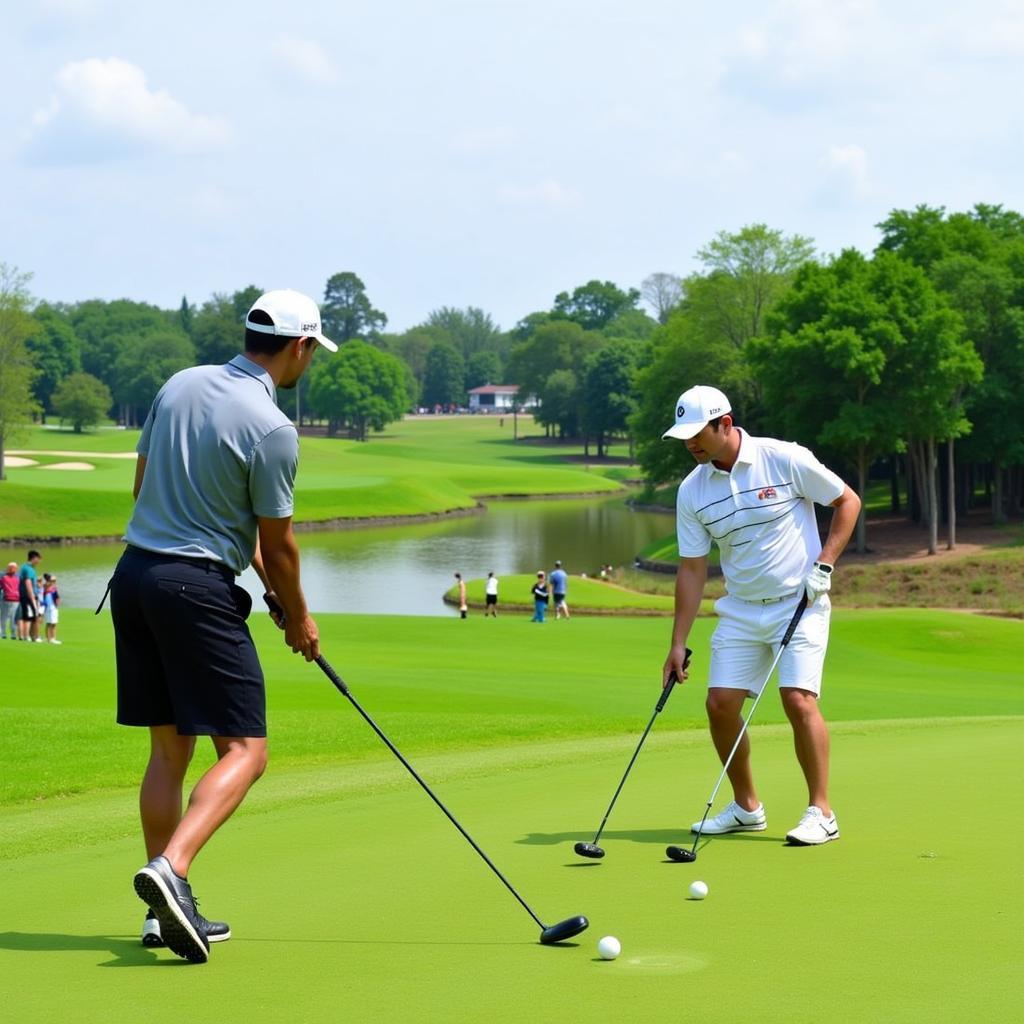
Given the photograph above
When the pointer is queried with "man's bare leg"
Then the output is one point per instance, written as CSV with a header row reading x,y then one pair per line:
x,y
811,740
725,718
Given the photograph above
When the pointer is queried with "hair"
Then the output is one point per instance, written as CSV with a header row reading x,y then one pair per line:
x,y
264,344
717,421
458,575
33,554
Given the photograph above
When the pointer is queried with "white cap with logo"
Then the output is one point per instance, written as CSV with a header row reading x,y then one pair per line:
x,y
294,315
695,409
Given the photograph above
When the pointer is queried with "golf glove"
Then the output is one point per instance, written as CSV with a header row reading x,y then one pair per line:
x,y
818,582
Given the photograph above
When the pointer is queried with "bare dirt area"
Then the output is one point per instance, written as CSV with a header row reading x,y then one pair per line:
x,y
896,540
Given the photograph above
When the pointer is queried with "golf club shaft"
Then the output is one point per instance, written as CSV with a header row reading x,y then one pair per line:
x,y
659,707
344,690
786,637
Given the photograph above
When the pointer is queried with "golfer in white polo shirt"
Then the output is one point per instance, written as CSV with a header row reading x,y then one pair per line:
x,y
754,497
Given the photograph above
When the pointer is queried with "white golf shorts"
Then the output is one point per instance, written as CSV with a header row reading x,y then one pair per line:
x,y
747,639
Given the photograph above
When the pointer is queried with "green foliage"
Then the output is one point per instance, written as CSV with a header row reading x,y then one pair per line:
x,y
608,396
483,368
595,304
81,400
218,328
469,331
144,366
360,386
444,377
55,350
346,311
16,370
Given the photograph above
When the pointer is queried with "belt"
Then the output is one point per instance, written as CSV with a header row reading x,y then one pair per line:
x,y
768,600
209,564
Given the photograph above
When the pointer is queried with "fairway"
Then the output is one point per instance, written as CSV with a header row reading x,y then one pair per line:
x,y
349,894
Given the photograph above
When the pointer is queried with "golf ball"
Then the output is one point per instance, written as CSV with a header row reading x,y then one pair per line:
x,y
609,947
698,890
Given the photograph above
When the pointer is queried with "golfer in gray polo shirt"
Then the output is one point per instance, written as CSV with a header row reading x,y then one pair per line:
x,y
213,488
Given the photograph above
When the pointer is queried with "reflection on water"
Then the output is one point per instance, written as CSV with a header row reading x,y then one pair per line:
x,y
404,570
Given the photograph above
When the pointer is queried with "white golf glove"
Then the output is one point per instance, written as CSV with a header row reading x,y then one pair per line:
x,y
818,582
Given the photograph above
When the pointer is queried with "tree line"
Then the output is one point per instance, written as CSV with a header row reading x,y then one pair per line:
x,y
880,362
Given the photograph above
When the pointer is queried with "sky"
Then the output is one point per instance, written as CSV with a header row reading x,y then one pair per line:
x,y
484,153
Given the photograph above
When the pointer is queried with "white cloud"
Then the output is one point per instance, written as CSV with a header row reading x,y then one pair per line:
x,y
104,109
544,193
849,164
305,59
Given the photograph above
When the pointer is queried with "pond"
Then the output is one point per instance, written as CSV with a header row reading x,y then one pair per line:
x,y
405,570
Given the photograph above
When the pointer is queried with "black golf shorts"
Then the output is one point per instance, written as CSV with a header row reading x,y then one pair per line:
x,y
28,610
184,653
492,598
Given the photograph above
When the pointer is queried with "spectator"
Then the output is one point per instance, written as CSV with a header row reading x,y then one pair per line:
x,y
463,606
51,606
28,625
559,588
491,607
540,597
9,601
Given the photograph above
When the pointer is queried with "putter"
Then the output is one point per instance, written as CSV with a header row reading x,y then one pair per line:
x,y
549,934
680,853
592,850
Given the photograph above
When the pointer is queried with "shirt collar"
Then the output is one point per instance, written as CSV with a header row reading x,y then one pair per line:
x,y
247,366
744,455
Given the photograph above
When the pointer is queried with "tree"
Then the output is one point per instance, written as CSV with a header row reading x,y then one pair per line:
x,y
82,400
16,371
560,404
55,350
444,378
826,360
469,330
144,367
662,292
595,304
483,368
218,328
360,386
608,395
346,311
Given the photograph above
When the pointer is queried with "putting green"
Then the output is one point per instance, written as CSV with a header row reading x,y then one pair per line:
x,y
365,903
351,896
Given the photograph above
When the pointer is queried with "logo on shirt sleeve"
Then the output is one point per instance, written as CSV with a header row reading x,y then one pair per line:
x,y
768,492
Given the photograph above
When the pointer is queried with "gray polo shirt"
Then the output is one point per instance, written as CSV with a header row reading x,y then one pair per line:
x,y
218,453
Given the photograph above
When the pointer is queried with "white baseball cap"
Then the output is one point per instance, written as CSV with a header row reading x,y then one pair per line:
x,y
294,315
695,409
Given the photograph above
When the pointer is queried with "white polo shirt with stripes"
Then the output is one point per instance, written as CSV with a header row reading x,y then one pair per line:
x,y
760,514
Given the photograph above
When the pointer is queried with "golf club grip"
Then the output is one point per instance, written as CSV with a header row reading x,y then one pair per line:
x,y
795,621
325,666
670,685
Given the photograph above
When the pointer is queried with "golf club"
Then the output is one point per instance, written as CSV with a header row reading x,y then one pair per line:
x,y
680,853
592,850
549,934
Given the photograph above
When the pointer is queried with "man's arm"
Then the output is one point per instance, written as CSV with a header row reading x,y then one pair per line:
x,y
691,576
279,558
844,521
140,472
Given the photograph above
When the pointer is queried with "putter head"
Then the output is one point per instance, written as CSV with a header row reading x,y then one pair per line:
x,y
591,850
564,930
680,854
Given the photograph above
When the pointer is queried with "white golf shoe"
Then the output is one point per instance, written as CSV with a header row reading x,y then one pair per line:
x,y
733,819
814,829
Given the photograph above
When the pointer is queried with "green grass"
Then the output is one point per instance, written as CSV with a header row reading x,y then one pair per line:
x,y
348,892
585,595
418,467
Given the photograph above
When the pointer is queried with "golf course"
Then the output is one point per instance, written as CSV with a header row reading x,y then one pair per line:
x,y
351,897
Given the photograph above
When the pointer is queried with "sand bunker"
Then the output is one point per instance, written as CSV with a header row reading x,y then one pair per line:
x,y
69,465
15,462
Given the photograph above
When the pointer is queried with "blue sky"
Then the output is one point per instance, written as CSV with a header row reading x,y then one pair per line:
x,y
485,153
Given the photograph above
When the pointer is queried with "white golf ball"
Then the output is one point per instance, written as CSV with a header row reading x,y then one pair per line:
x,y
609,947
698,890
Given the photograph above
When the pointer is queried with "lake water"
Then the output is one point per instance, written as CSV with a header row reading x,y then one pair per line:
x,y
405,570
